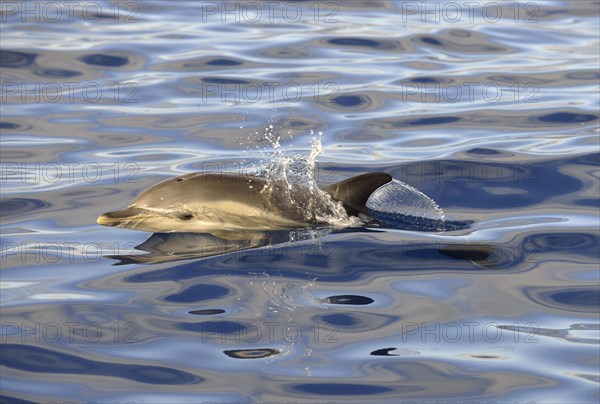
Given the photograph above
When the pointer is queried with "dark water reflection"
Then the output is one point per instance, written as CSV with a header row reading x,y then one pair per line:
x,y
584,300
495,118
35,359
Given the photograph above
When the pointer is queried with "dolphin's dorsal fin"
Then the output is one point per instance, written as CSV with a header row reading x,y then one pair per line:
x,y
354,192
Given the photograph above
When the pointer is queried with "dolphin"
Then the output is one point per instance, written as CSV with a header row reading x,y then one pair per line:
x,y
233,203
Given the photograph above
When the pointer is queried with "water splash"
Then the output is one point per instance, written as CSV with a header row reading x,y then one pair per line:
x,y
289,297
287,173
405,206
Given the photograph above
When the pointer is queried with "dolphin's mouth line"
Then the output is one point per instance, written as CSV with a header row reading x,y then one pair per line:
x,y
123,218
138,220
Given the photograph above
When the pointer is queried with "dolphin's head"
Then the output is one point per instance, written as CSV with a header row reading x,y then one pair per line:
x,y
199,202
166,205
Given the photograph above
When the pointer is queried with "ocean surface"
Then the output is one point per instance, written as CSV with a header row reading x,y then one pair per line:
x,y
489,108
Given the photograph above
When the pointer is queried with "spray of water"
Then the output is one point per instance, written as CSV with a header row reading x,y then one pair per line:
x,y
285,172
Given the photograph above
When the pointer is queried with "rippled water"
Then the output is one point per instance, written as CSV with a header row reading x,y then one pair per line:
x,y
490,108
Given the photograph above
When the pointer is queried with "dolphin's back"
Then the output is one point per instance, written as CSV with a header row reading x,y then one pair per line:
x,y
203,188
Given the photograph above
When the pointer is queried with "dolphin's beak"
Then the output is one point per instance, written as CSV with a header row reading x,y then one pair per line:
x,y
120,218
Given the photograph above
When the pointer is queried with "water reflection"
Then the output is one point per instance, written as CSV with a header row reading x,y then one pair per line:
x,y
284,246
461,41
169,247
15,59
42,360
251,353
349,299
207,312
19,207
99,59
570,299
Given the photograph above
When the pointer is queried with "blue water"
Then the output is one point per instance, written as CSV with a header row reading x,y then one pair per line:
x,y
490,109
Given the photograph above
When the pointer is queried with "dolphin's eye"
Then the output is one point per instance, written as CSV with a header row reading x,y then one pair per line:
x,y
185,216
178,179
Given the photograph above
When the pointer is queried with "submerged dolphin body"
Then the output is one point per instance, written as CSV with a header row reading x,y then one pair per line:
x,y
217,203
